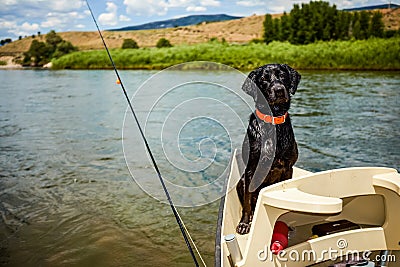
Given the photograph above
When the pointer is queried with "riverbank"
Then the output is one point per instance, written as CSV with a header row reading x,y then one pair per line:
x,y
372,54
7,62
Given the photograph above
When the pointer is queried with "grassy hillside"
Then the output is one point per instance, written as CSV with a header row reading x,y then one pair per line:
x,y
372,54
234,31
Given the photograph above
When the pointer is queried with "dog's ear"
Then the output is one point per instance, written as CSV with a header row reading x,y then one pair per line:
x,y
249,86
294,79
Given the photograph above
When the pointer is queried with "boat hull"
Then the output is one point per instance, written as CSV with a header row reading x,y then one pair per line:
x,y
368,197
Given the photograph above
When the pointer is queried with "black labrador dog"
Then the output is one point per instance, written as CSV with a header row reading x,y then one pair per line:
x,y
269,149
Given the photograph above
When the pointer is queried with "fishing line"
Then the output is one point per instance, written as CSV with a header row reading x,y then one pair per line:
x,y
177,217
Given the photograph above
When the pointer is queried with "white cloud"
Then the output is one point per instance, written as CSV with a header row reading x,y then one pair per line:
x,y
354,3
251,3
30,16
179,3
75,14
58,21
210,3
9,2
347,3
124,18
267,6
196,9
34,8
4,24
52,22
24,29
142,7
29,27
109,18
65,5
277,9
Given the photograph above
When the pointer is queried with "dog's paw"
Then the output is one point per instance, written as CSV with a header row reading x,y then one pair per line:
x,y
243,228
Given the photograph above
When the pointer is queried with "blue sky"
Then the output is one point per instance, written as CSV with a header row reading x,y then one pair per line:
x,y
27,17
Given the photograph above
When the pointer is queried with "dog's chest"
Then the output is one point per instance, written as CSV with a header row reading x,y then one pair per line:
x,y
276,137
284,138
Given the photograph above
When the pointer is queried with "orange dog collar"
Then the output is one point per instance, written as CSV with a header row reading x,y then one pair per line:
x,y
271,119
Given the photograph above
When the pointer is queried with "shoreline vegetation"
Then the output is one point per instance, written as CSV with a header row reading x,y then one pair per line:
x,y
370,54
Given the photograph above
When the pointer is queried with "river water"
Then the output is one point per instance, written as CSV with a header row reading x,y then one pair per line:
x,y
67,197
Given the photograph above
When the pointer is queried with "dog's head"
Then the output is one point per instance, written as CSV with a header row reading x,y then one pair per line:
x,y
272,85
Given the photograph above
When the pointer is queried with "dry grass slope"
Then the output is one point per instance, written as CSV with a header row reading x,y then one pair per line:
x,y
234,31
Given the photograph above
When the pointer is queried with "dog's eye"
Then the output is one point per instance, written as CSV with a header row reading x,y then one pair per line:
x,y
282,76
263,79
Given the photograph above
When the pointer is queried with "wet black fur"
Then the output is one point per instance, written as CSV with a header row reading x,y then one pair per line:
x,y
271,85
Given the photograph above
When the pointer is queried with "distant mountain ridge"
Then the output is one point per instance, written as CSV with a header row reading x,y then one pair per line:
x,y
384,6
197,19
184,21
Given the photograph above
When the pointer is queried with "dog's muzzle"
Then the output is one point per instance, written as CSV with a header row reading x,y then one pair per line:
x,y
279,93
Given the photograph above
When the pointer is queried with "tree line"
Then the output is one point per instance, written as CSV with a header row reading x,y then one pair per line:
x,y
318,20
5,41
40,53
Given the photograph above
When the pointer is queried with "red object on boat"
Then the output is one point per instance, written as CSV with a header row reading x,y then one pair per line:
x,y
279,237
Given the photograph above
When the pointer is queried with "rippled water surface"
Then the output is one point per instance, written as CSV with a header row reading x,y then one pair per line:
x,y
66,194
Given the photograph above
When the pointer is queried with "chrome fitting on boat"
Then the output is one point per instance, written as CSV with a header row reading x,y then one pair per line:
x,y
233,248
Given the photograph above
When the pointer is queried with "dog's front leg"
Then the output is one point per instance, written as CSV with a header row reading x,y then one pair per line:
x,y
245,197
251,157
251,151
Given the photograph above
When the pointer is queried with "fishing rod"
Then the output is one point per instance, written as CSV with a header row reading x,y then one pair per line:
x,y
171,204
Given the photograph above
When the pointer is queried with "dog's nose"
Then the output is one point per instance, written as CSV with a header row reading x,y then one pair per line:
x,y
280,90
279,93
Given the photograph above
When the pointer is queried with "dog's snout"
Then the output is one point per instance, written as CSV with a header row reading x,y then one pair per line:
x,y
279,93
280,90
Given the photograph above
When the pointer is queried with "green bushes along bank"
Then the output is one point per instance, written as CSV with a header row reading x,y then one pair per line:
x,y
319,21
40,53
371,54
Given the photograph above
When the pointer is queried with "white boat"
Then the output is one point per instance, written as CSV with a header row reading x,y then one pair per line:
x,y
368,197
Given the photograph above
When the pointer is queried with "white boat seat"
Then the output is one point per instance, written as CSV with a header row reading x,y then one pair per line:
x,y
297,200
390,181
